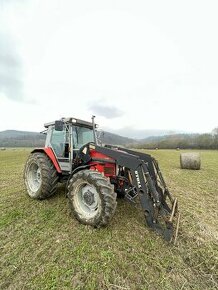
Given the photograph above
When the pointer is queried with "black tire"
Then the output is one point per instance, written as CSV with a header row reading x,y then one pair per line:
x,y
97,204
40,176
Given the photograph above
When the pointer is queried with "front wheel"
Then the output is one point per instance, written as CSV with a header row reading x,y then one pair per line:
x,y
92,198
40,176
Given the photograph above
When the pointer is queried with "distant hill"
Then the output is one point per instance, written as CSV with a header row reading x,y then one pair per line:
x,y
14,133
114,139
182,141
13,138
140,134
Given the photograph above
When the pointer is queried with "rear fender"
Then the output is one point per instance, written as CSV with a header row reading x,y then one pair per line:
x,y
49,152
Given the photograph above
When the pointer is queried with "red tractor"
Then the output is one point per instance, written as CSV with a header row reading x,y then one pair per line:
x,y
95,174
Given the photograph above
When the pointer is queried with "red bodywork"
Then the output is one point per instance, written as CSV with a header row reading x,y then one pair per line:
x,y
49,152
102,163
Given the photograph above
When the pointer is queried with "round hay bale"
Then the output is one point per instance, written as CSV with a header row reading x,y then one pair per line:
x,y
190,161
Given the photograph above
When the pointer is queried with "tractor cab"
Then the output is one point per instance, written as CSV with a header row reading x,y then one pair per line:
x,y
66,136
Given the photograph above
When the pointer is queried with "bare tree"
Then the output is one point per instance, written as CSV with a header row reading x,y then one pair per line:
x,y
215,131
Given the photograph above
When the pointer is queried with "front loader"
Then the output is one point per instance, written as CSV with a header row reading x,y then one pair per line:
x,y
96,174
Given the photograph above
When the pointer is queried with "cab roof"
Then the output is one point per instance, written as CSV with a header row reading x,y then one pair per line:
x,y
71,120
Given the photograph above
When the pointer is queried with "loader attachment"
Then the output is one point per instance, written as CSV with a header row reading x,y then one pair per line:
x,y
157,203
145,179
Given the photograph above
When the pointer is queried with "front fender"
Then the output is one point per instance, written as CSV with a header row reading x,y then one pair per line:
x,y
50,153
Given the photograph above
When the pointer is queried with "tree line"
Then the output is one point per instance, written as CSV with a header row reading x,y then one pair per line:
x,y
27,141
183,141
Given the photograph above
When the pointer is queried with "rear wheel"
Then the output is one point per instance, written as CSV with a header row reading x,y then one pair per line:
x,y
40,176
92,198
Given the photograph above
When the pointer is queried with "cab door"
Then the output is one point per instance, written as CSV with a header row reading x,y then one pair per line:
x,y
59,142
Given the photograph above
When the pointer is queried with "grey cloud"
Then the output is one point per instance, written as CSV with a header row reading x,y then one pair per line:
x,y
108,112
10,69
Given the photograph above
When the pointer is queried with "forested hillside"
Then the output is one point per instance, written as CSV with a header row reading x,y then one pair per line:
x,y
182,141
13,138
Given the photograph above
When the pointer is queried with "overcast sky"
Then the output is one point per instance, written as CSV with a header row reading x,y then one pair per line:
x,y
134,64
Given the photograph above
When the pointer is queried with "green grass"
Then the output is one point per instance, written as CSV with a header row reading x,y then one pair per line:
x,y
42,247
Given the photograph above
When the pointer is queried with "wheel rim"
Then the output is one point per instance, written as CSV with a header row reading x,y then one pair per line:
x,y
87,201
34,178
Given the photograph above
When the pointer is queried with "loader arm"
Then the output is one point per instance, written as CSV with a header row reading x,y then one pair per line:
x,y
159,207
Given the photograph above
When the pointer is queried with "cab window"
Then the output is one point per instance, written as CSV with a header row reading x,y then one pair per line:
x,y
58,142
82,136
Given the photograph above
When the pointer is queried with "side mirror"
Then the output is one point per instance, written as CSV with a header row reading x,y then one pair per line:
x,y
59,125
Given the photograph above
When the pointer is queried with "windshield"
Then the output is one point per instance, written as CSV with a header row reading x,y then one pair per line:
x,y
81,136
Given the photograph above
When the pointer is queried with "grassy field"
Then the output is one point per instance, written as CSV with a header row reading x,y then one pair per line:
x,y
42,247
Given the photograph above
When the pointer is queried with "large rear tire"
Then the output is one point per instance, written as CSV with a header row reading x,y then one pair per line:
x,y
92,198
40,176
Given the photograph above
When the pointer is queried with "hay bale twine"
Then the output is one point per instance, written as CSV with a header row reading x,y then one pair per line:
x,y
190,161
